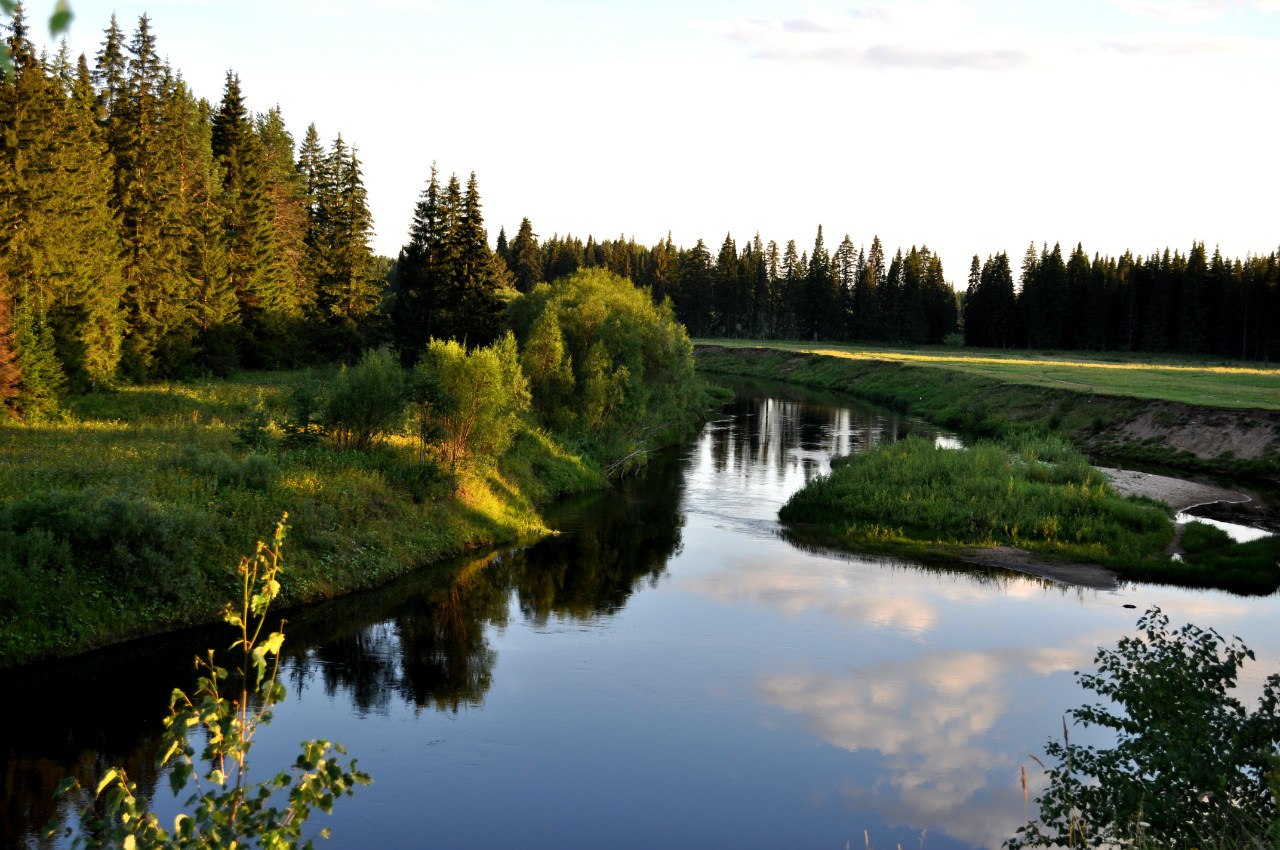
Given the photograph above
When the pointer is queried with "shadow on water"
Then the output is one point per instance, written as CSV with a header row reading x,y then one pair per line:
x,y
422,641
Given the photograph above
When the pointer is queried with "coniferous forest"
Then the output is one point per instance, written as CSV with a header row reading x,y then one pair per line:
x,y
149,233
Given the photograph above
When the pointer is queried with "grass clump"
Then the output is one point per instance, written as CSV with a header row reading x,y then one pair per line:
x,y
1040,495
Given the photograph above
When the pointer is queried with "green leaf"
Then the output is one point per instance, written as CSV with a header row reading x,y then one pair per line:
x,y
8,6
105,780
60,21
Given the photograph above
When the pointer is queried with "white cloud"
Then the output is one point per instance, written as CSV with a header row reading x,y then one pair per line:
x,y
929,35
1192,44
1176,11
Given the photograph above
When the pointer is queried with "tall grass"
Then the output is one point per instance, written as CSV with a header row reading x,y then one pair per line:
x,y
1041,495
121,519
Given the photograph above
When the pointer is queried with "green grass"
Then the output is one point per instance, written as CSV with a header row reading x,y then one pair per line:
x,y
1040,495
1202,382
129,516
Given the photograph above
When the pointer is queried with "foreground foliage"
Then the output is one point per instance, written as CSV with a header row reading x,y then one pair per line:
x,y
226,809
1192,765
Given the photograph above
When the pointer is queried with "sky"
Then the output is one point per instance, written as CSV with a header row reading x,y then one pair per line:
x,y
970,126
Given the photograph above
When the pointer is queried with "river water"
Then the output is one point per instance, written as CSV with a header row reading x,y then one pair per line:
x,y
668,671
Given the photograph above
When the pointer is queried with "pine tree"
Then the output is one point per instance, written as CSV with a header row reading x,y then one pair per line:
x,y
58,240
476,284
287,205
41,382
263,297
418,287
351,288
525,258
866,295
150,206
724,286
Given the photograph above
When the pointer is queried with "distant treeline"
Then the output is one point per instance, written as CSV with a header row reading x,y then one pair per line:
x,y
763,291
1168,302
146,233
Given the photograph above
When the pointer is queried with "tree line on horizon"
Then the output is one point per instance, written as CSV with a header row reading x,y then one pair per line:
x,y
1167,302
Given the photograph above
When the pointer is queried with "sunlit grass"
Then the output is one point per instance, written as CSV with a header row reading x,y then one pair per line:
x,y
163,464
1202,382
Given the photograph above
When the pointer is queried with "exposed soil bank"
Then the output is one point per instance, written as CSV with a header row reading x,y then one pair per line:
x,y
1168,435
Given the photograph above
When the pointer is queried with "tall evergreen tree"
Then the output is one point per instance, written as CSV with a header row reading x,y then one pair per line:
x,y
58,240
351,289
525,258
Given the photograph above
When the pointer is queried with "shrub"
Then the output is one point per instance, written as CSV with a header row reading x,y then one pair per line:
x,y
1190,764
367,401
607,366
470,401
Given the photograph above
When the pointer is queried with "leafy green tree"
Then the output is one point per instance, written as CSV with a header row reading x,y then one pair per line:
x,y
618,368
367,401
1190,763
479,396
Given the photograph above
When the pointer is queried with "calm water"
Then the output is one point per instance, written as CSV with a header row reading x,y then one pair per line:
x,y
668,672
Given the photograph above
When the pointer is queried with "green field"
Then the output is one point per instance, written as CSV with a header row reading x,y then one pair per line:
x,y
1207,383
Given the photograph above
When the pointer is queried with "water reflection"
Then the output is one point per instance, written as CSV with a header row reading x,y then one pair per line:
x,y
668,671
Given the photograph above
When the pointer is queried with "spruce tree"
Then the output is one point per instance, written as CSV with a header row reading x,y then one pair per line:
x,y
866,295
419,287
525,258
262,296
58,240
351,288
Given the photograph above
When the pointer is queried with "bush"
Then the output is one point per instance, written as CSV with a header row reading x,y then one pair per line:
x,y
129,541
607,366
367,401
1190,765
469,402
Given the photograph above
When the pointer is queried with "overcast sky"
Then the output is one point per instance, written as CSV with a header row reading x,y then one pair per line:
x,y
973,126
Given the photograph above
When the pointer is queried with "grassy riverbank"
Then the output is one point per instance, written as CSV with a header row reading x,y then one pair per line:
x,y
127,517
1039,495
1180,415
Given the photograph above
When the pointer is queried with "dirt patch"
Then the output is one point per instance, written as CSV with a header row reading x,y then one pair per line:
x,y
1177,493
1018,560
1206,433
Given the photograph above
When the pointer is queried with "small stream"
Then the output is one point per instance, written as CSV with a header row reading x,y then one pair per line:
x,y
668,671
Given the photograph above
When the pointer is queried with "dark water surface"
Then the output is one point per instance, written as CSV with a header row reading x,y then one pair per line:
x,y
667,672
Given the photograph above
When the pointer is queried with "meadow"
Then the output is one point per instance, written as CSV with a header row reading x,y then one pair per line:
x,y
128,516
1202,382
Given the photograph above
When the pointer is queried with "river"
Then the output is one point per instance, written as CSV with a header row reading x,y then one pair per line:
x,y
668,671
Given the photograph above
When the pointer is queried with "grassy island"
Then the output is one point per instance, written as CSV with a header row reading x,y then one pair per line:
x,y
1038,494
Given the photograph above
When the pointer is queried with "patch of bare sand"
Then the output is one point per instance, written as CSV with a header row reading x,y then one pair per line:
x,y
1021,561
1177,493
